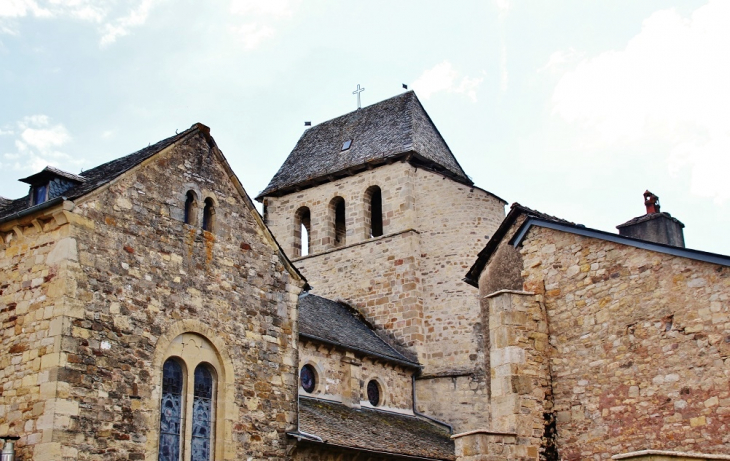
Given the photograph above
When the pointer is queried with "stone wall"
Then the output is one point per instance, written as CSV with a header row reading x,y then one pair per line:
x,y
379,278
408,282
460,400
395,182
34,308
142,276
334,368
455,221
640,346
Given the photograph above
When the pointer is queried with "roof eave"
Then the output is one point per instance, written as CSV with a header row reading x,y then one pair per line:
x,y
410,156
403,363
355,448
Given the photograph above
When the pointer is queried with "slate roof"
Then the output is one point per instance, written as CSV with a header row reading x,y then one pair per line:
x,y
322,319
649,217
396,128
52,171
516,210
545,220
374,430
102,174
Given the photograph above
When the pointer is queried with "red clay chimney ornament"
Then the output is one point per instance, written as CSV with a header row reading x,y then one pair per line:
x,y
651,202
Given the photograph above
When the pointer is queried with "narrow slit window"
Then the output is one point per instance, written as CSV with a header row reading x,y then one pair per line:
x,y
202,414
171,411
374,203
337,206
190,207
208,215
302,232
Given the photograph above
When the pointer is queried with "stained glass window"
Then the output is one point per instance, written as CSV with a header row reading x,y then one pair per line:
x,y
171,411
307,378
202,414
373,393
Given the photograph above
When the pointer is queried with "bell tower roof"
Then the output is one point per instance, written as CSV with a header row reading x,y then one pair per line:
x,y
395,129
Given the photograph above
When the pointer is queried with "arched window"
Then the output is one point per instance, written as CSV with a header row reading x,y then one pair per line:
x,y
171,411
190,207
188,403
339,227
302,235
202,414
373,212
208,215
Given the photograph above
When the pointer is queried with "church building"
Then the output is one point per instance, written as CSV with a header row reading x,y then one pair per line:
x,y
384,307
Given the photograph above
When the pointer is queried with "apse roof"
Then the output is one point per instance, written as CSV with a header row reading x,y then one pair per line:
x,y
372,430
397,128
336,323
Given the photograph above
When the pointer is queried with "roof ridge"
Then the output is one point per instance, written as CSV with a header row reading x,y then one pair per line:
x,y
102,174
448,149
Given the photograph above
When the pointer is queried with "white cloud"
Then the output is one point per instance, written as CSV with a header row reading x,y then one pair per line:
x,y
560,60
261,17
121,26
112,19
37,145
275,8
251,35
667,87
443,77
21,8
502,5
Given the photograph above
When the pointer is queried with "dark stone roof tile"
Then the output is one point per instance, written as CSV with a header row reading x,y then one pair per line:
x,y
649,217
394,128
102,174
374,430
339,324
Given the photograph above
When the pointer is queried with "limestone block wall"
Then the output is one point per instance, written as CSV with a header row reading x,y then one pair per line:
x,y
34,257
343,376
142,277
394,383
640,345
461,400
378,277
408,282
395,182
521,391
455,221
330,373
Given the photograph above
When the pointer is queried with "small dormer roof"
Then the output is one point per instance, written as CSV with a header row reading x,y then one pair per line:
x,y
49,173
397,128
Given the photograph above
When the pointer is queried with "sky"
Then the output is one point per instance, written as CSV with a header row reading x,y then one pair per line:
x,y
572,108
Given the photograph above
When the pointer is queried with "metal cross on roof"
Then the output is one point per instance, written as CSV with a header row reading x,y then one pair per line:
x,y
357,92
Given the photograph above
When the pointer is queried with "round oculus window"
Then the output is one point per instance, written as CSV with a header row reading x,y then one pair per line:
x,y
308,378
373,392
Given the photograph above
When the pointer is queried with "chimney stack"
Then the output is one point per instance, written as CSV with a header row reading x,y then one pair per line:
x,y
655,226
651,202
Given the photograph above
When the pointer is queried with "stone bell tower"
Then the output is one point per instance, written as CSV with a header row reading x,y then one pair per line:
x,y
374,208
